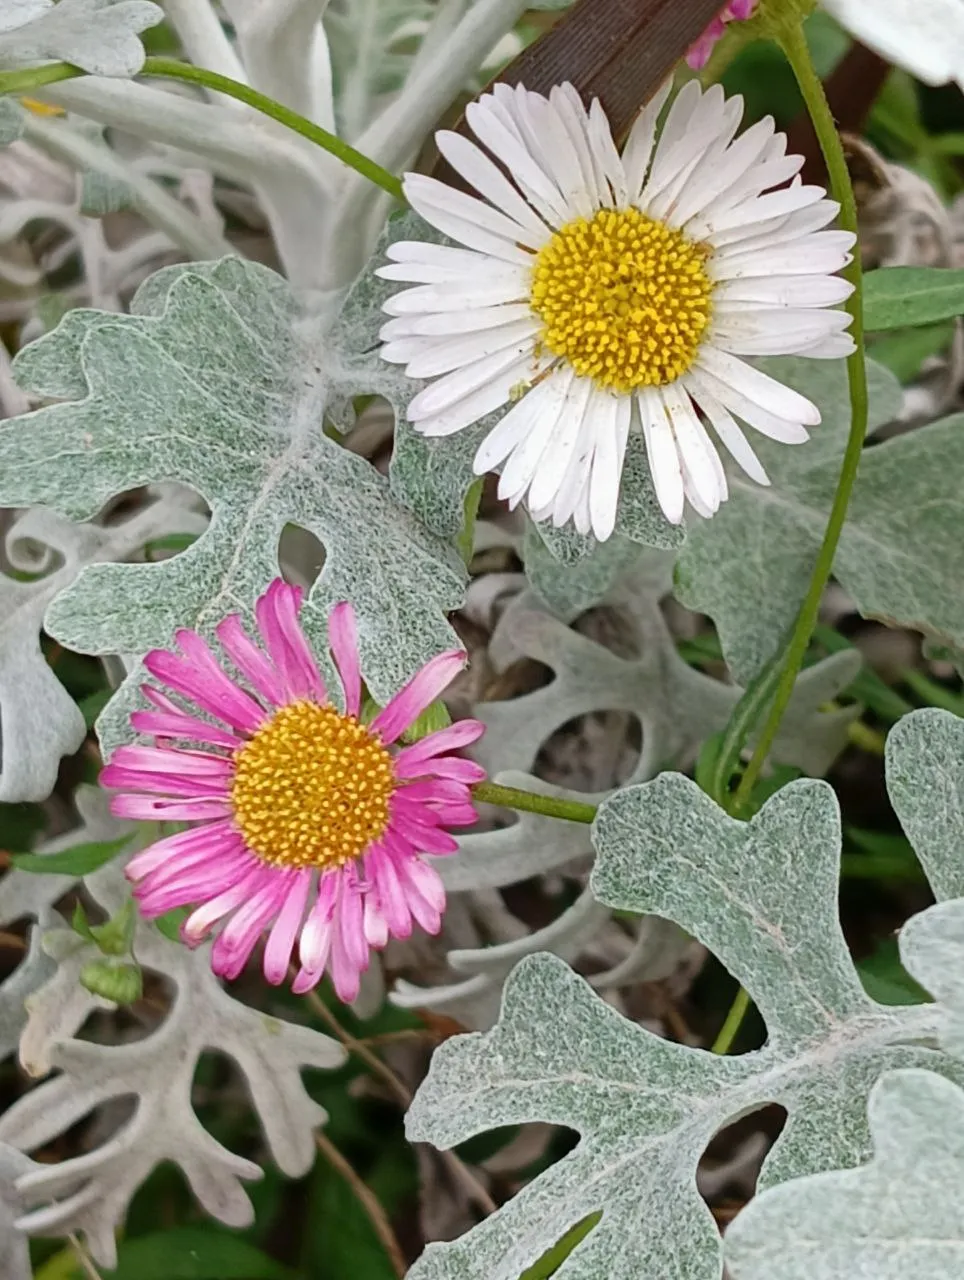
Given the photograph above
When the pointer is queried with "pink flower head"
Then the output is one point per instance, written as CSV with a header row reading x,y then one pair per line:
x,y
735,11
303,821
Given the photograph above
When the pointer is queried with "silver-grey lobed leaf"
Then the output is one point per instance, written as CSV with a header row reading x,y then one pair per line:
x,y
218,381
91,1192
101,36
748,567
925,780
763,896
897,1217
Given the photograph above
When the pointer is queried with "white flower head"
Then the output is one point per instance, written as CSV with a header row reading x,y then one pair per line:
x,y
597,293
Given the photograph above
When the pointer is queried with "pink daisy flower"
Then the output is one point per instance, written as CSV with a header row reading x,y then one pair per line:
x,y
735,11
304,822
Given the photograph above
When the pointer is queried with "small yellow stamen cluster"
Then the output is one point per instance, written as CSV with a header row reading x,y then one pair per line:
x,y
311,788
623,298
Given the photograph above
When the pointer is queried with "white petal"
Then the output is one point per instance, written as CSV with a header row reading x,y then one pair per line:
x,y
432,198
726,427
581,513
781,291
445,392
484,291
820,254
561,155
486,122
554,466
776,231
442,255
639,145
476,237
837,347
579,470
765,391
493,393
758,209
702,472
738,158
664,464
607,463
738,401
529,421
433,273
401,350
573,115
770,332
449,323
458,352
712,126
478,170
601,141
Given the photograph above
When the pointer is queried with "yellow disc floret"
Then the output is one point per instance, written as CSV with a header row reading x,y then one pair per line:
x,y
311,788
623,298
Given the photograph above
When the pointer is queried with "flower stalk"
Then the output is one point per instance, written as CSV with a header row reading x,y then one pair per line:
x,y
794,44
28,78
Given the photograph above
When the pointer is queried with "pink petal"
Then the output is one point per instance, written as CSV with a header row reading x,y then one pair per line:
x,y
197,676
435,791
198,884
118,778
441,767
345,974
233,946
388,891
200,861
177,724
210,841
315,940
198,764
284,931
160,810
276,613
424,839
420,692
462,816
457,735
343,640
424,893
376,926
306,980
348,922
249,660
207,839
209,913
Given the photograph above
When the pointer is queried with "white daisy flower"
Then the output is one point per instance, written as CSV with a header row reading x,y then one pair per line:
x,y
597,293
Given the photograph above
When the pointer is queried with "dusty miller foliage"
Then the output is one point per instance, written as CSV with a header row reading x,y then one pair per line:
x,y
214,391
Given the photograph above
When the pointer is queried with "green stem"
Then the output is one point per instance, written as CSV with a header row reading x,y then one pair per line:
x,y
530,802
27,78
170,68
734,1020
795,47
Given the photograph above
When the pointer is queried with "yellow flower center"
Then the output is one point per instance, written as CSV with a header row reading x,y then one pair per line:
x,y
623,298
311,788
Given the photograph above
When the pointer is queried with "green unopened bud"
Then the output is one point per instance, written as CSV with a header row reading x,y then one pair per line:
x,y
114,937
120,983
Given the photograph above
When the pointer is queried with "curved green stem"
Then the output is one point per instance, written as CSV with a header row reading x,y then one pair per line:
x,y
36,77
531,802
795,47
734,1020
